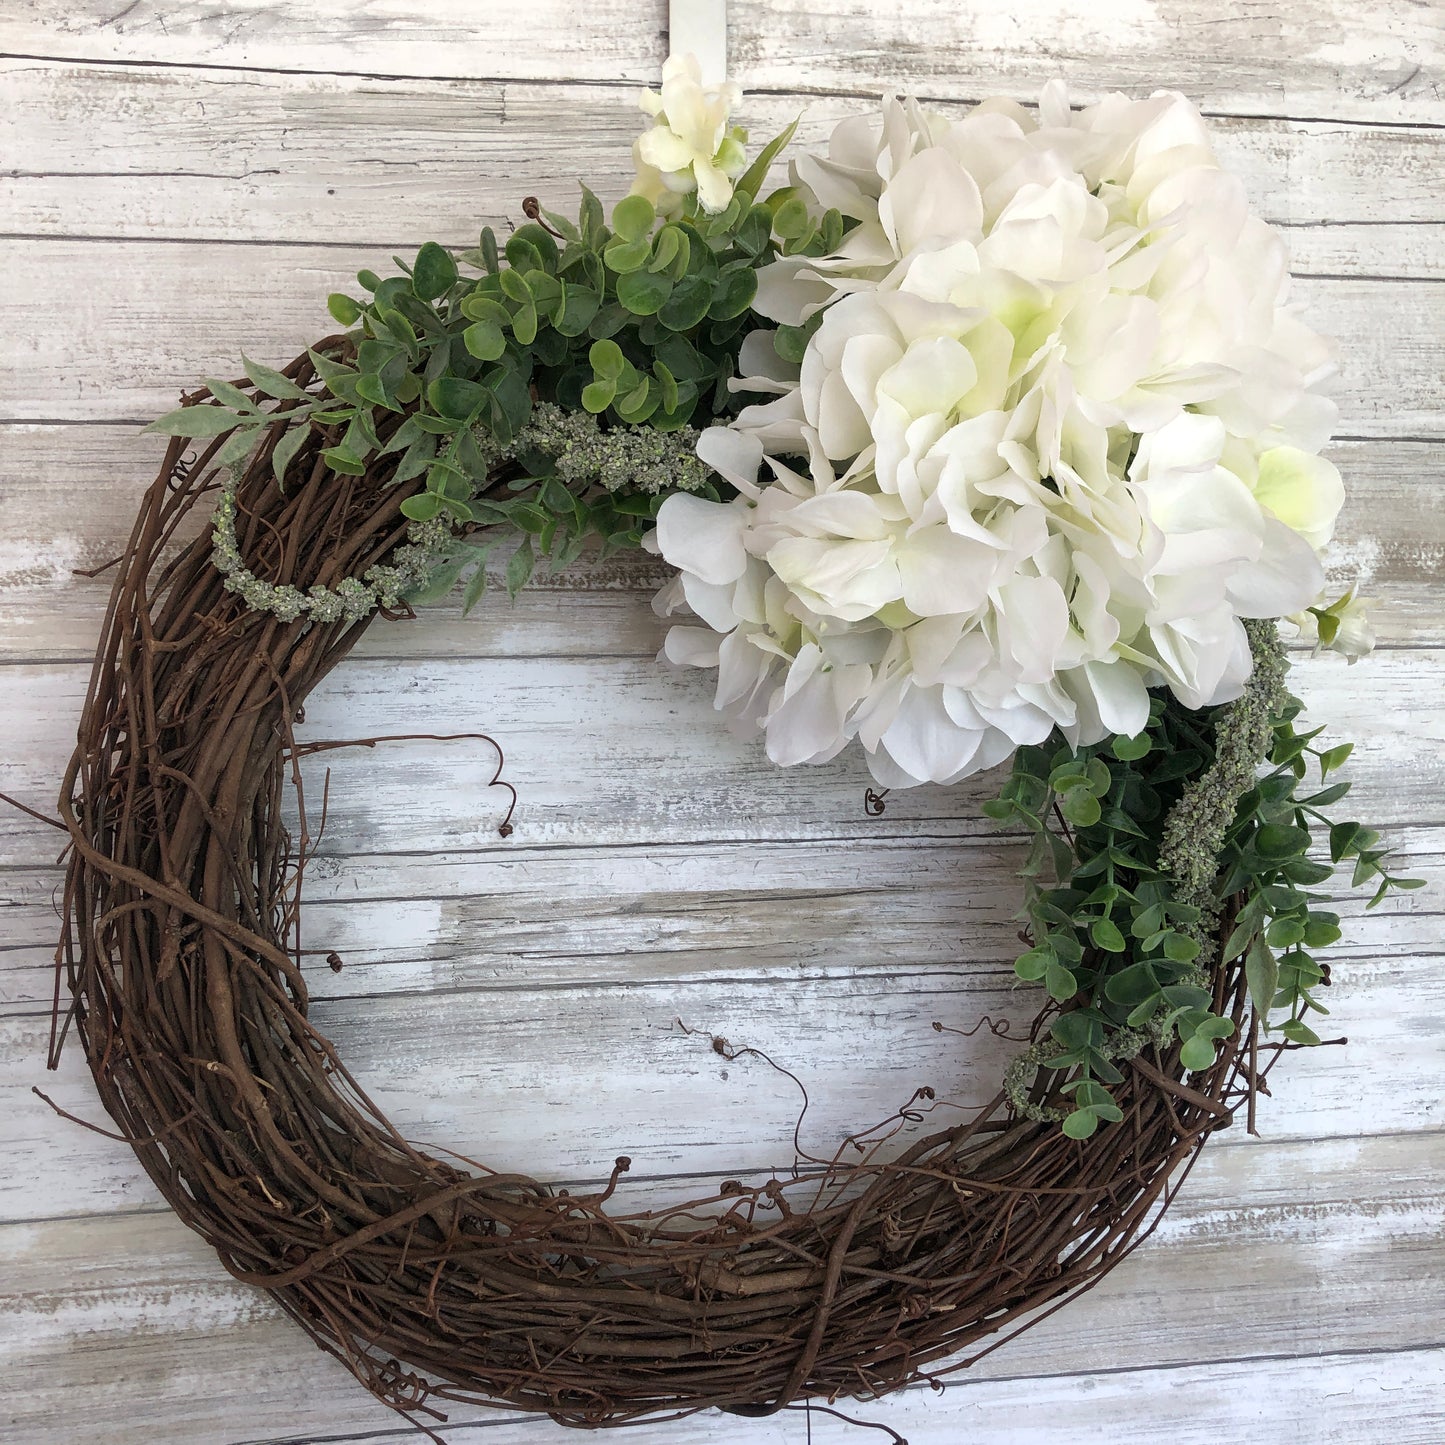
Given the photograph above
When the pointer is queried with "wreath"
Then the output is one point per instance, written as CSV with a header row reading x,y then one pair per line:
x,y
984,438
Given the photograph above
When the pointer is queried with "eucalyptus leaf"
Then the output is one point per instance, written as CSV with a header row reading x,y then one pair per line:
x,y
343,308
477,306
455,398
643,292
752,179
284,452
476,586
530,248
236,448
624,256
579,306
440,582
1197,1053
232,396
343,461
519,567
686,305
633,217
416,458
422,507
484,340
434,273
597,396
607,360
791,220
199,421
562,225
271,382
734,295
524,325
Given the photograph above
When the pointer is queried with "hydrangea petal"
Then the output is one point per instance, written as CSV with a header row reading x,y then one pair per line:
x,y
1305,492
703,538
805,723
691,647
1286,577
941,572
925,742
931,201
733,454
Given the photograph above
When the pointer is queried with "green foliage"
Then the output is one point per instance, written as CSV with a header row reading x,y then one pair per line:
x,y
1270,861
1116,938
637,322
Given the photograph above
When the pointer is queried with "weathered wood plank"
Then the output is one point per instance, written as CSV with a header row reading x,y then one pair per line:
x,y
539,39
233,155
800,912
559,1080
1328,248
585,740
129,1325
68,496
1369,1398
544,919
1318,58
1330,1400
149,318
588,773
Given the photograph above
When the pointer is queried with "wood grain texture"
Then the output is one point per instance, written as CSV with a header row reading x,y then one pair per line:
x,y
179,181
514,919
1365,1216
194,308
235,155
539,39
1306,58
584,738
68,496
559,1080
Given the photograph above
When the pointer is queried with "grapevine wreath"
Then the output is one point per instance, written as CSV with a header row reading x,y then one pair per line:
x,y
984,438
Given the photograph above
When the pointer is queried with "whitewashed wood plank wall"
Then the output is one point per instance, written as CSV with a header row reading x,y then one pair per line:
x,y
181,180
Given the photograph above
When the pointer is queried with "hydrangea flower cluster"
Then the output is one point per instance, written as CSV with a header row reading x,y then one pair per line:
x,y
1055,432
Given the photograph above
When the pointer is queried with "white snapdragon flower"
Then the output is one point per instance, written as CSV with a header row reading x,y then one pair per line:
x,y
1053,435
1354,632
1344,627
690,146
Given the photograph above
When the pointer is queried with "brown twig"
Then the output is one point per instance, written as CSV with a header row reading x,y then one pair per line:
x,y
181,897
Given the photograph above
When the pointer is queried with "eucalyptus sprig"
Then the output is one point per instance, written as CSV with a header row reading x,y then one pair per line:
x,y
243,416
637,323
1121,935
1267,860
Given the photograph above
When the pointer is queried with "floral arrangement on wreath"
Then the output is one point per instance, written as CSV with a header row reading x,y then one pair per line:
x,y
984,438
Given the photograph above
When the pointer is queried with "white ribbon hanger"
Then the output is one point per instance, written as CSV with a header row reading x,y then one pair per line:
x,y
701,26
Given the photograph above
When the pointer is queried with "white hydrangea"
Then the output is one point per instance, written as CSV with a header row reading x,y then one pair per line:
x,y
1054,434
